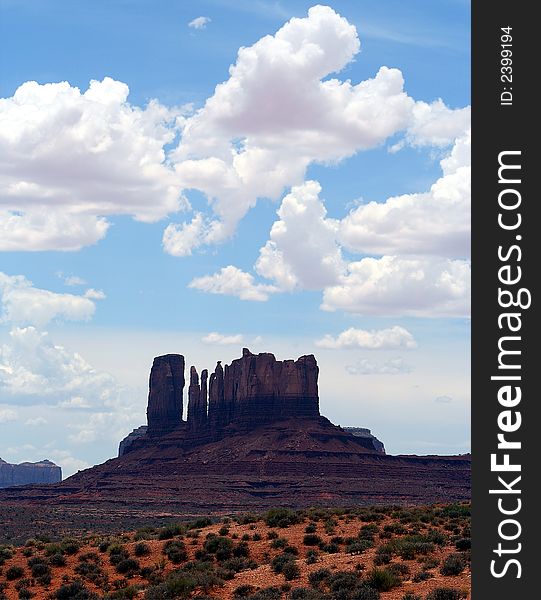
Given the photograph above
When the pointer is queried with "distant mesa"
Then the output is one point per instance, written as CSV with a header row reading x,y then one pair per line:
x,y
253,438
24,473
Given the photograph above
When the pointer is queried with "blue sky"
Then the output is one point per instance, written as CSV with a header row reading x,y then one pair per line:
x,y
376,288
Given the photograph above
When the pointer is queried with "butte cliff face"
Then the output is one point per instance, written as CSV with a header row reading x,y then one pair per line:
x,y
40,472
253,390
164,411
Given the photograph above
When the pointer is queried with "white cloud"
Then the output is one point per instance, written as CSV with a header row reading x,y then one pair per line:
x,y
93,294
36,422
22,303
181,240
236,148
437,125
443,399
7,415
302,250
435,222
33,369
231,281
73,280
382,339
391,285
219,339
393,366
199,22
70,159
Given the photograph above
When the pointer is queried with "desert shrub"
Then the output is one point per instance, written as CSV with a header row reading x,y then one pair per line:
x,y
307,594
316,578
6,552
311,539
238,564
246,518
343,580
173,587
422,576
128,566
57,560
70,546
382,559
117,553
200,523
40,569
400,570
358,546
14,572
463,544
271,593
446,594
272,535
383,580
330,548
24,593
243,591
141,549
281,517
241,550
103,546
279,542
365,592
410,596
291,570
225,531
256,537
453,565
127,593
220,546
430,562
74,591
310,528
278,562
175,550
170,531
91,571
145,533
311,557
367,532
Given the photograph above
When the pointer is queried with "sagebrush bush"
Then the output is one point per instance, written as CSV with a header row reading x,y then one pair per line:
x,y
454,564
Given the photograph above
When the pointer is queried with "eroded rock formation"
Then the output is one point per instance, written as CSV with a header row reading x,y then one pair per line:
x,y
44,471
166,385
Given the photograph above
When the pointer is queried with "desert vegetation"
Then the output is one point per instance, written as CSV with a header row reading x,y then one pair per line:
x,y
376,553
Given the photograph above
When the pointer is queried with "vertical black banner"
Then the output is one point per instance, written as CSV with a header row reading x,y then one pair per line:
x,y
505,270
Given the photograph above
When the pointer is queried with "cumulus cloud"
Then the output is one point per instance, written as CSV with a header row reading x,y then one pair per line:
x,y
182,239
415,286
71,158
231,281
219,339
235,148
199,22
7,415
35,369
382,339
393,366
435,222
22,303
302,250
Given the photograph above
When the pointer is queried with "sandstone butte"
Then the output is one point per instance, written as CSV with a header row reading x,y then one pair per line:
x,y
24,473
253,438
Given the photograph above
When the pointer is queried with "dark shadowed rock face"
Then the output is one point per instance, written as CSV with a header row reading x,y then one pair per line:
x,y
166,385
40,472
259,389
